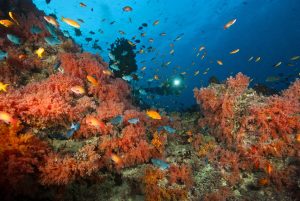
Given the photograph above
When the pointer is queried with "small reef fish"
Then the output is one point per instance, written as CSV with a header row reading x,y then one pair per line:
x,y
278,64
114,67
196,72
234,51
7,118
127,78
78,90
156,22
131,43
229,24
272,79
13,17
50,40
3,55
107,72
6,23
251,58
115,158
73,129
169,129
160,164
92,121
294,58
220,62
127,9
172,51
143,68
257,59
71,22
263,182
122,32
168,63
35,30
269,168
112,57
133,121
142,92
3,87
39,52
14,39
117,120
153,114
52,30
51,20
163,34
201,48
82,4
92,80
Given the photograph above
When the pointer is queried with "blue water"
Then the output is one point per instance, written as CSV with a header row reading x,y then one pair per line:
x,y
269,29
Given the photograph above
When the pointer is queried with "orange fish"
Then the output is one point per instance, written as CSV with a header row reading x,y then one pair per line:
x,y
115,158
153,114
234,51
92,121
82,4
107,72
92,80
229,24
78,89
6,23
156,22
22,56
127,9
71,22
51,20
269,168
7,118
263,182
220,62
13,17
298,137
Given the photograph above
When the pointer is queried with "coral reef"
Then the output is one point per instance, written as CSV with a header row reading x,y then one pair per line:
x,y
256,133
70,131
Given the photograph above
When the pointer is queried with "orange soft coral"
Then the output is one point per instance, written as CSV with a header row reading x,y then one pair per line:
x,y
60,170
20,156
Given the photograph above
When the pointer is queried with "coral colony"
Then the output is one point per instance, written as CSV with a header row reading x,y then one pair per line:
x,y
69,130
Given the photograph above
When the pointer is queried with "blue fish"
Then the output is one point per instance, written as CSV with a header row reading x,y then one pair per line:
x,y
70,133
169,129
57,65
143,92
111,56
117,120
114,67
51,29
127,78
14,39
134,120
73,129
3,55
52,40
159,163
35,30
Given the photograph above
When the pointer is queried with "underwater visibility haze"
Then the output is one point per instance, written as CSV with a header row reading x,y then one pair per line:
x,y
154,100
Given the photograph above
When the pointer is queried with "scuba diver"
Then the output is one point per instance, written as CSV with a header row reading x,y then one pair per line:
x,y
172,86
